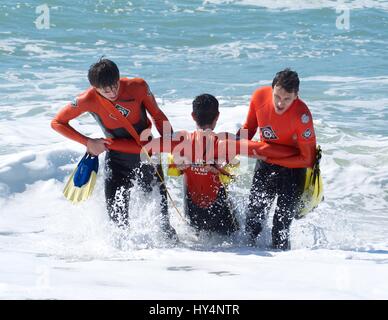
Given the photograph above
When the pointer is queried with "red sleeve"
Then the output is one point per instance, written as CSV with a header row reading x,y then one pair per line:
x,y
157,115
306,143
228,149
180,139
224,149
60,123
156,145
270,150
305,159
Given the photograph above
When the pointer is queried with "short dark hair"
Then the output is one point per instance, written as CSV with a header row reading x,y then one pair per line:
x,y
205,108
104,73
288,80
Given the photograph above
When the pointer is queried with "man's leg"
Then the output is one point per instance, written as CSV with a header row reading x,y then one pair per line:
x,y
147,179
216,217
223,218
290,189
117,190
197,216
260,200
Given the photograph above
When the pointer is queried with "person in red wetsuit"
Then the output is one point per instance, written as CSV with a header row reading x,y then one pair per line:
x,y
282,119
206,202
203,151
134,100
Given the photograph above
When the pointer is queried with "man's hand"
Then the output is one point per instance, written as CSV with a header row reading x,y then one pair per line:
x,y
257,156
97,146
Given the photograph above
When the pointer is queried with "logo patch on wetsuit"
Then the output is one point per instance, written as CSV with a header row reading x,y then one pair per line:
x,y
307,134
305,118
74,103
123,111
268,133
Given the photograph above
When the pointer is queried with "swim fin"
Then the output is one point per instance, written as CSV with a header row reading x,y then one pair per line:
x,y
313,188
83,179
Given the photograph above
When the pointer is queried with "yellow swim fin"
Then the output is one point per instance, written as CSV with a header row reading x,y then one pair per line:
x,y
231,169
172,170
81,183
313,188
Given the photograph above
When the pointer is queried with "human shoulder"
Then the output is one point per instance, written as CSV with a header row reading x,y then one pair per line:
x,y
182,134
261,96
303,122
262,92
136,86
134,83
225,136
85,98
301,109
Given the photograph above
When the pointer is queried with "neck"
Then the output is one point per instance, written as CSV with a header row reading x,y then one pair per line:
x,y
208,127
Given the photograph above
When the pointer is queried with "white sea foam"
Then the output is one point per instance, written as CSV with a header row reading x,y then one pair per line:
x,y
368,80
306,4
344,155
56,242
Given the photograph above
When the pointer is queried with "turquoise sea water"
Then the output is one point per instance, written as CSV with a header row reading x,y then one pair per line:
x,y
186,47
227,48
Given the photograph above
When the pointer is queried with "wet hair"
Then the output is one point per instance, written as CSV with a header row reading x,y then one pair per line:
x,y
205,109
104,73
288,80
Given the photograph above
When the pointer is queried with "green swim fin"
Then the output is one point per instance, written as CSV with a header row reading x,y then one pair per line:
x,y
83,179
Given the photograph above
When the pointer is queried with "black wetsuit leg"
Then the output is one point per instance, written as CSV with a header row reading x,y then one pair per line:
x,y
268,182
262,195
289,190
218,217
147,178
121,168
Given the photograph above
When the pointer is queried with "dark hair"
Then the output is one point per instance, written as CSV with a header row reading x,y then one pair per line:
x,y
288,80
205,108
103,73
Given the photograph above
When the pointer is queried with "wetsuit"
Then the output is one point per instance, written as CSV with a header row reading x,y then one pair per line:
x,y
205,196
122,163
206,202
282,178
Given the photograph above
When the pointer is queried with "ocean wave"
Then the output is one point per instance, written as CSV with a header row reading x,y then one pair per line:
x,y
306,4
354,168
340,79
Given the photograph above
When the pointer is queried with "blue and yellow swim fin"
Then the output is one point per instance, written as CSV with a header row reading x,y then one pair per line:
x,y
83,179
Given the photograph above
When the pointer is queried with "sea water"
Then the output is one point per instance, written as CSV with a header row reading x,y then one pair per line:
x,y
182,49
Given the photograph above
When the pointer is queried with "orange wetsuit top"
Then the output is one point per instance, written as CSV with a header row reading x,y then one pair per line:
x,y
134,101
202,184
294,128
204,147
208,147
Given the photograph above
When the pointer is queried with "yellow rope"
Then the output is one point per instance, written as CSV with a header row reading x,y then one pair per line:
x,y
163,182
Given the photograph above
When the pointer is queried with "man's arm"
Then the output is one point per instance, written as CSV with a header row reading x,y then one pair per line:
x,y
165,144
228,149
60,123
305,158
